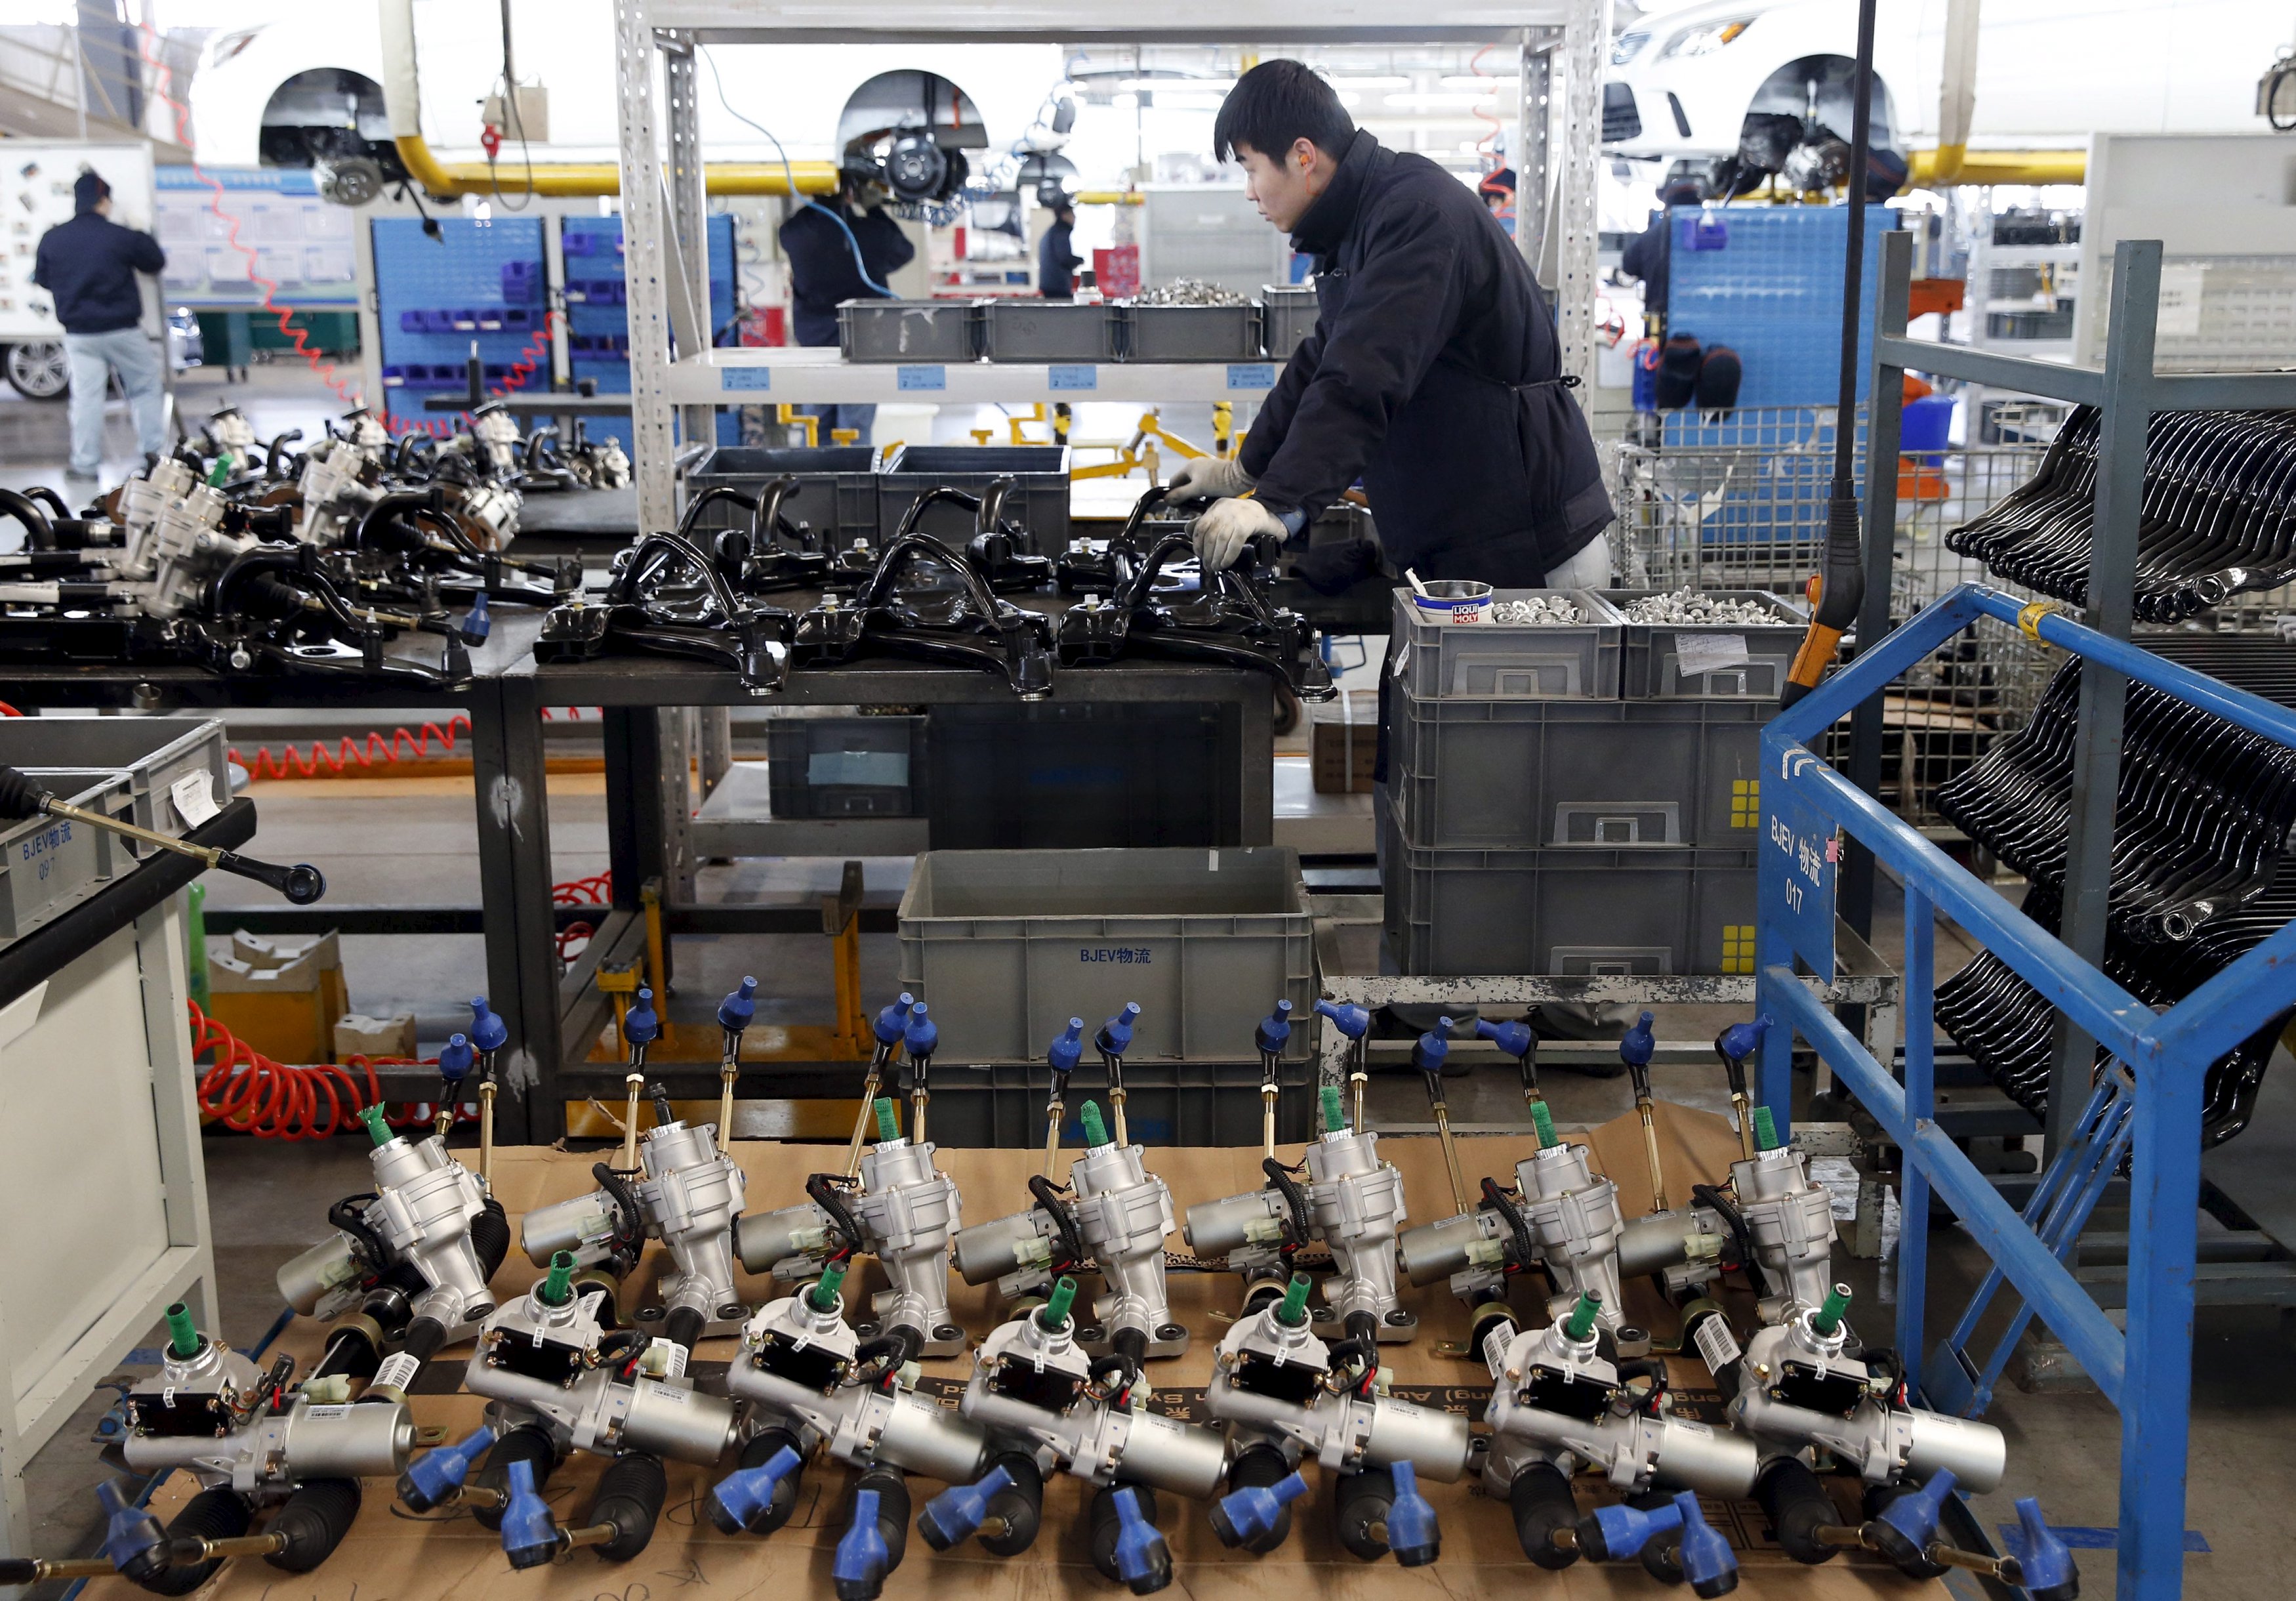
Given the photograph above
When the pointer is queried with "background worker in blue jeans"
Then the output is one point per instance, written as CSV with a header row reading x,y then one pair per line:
x,y
89,266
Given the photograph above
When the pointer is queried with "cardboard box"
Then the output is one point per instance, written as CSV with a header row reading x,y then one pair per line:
x,y
1343,740
281,997
389,1554
359,1035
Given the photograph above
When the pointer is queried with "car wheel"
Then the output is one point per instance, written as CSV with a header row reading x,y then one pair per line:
x,y
37,369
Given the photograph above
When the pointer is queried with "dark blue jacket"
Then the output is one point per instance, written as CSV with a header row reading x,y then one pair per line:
x,y
1056,263
1434,372
822,269
89,265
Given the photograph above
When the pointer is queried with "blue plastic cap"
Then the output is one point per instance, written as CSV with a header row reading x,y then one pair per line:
x,y
1275,1028
1412,1532
1515,1038
488,1032
956,1513
736,1011
1242,1515
477,624
1639,1045
1915,1514
1350,1020
2046,1566
1741,1040
921,1038
438,1474
1626,1529
1143,1560
132,1540
1706,1557
742,1499
457,1058
1432,1047
1068,1050
641,1026
1115,1036
530,1538
894,1019
862,1560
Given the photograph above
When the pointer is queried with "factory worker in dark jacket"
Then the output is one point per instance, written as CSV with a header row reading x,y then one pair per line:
x,y
841,248
1433,374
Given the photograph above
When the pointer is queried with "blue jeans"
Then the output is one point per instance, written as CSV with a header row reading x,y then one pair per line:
x,y
861,419
137,360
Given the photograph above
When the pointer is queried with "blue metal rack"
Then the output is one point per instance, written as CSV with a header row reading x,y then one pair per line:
x,y
1805,805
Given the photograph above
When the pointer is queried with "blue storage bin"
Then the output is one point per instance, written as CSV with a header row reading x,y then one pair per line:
x,y
1926,430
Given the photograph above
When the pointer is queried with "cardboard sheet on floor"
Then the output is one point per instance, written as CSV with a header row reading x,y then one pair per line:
x,y
391,1555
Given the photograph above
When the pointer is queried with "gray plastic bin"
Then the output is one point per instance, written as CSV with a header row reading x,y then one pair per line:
x,y
1039,502
1523,662
1570,913
50,865
1165,1103
1033,330
908,331
836,493
846,767
1516,775
1653,658
1288,314
1007,946
154,755
1191,334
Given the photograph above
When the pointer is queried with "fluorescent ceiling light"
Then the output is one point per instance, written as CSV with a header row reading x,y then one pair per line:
x,y
1430,101
1486,85
1369,82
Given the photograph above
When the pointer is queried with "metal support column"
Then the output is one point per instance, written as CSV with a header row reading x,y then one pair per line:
x,y
1534,148
2127,414
1586,46
514,878
689,212
1884,409
645,228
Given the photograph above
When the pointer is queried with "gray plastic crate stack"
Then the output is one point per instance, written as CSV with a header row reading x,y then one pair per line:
x,y
909,331
1007,946
1537,822
1039,502
846,766
836,493
1287,316
1751,661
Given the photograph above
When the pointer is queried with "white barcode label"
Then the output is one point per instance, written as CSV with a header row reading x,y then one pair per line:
x,y
1717,1347
397,1372
194,797
1698,654
340,1410
666,1358
1496,1340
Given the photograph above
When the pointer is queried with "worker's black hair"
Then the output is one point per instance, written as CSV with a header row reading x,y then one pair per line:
x,y
1275,103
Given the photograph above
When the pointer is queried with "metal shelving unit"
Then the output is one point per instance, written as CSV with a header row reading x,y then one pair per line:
x,y
2147,1372
663,205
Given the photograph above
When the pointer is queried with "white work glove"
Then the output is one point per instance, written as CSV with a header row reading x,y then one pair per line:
x,y
1221,533
1208,478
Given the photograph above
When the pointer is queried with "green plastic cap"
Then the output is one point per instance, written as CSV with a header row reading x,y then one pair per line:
x,y
824,1289
1334,1119
1828,1317
1544,1121
183,1339
889,1125
558,1289
377,1129
1294,1312
1054,1315
1095,1132
1581,1321
1765,1129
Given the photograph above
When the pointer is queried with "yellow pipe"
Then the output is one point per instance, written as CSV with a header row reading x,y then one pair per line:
x,y
450,180
1938,168
1109,197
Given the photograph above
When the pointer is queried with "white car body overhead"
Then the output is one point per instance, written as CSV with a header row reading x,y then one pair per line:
x,y
2049,73
796,90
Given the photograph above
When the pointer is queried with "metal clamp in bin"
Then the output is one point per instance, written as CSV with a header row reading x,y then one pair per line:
x,y
1505,661
1670,661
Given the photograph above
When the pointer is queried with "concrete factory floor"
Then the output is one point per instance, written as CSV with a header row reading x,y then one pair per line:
x,y
411,842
